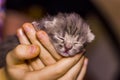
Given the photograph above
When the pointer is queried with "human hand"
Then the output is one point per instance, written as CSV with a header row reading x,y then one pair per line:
x,y
47,66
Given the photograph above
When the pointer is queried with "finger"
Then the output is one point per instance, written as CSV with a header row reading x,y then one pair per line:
x,y
33,64
23,40
30,67
46,57
74,71
21,36
39,63
83,70
44,39
30,32
21,53
55,71
44,54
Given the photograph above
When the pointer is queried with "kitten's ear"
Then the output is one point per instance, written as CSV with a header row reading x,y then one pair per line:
x,y
90,36
36,25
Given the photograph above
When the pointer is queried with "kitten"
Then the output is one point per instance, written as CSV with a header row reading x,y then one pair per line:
x,y
67,32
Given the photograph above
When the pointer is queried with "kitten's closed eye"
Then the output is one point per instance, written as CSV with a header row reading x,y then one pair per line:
x,y
58,39
60,45
76,43
61,38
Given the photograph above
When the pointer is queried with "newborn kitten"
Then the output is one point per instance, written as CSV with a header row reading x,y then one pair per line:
x,y
67,32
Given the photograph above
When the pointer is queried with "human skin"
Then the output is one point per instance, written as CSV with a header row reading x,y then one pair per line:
x,y
43,62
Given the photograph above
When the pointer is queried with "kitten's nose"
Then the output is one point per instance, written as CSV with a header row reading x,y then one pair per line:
x,y
68,46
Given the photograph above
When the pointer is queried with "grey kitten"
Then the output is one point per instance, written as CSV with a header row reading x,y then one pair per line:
x,y
67,32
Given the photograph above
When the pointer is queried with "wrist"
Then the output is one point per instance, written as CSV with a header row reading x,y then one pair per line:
x,y
3,75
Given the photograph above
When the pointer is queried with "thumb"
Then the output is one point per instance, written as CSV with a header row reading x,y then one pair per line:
x,y
21,53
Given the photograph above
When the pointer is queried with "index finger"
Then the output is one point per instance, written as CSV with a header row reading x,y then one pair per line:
x,y
44,39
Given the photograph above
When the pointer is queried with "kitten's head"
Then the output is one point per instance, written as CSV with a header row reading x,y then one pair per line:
x,y
68,33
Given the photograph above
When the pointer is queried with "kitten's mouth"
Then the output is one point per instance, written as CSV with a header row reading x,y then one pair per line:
x,y
66,51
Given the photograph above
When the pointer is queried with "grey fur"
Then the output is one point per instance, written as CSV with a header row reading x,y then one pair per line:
x,y
68,32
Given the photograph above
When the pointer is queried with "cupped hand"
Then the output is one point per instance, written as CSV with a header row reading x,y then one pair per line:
x,y
35,58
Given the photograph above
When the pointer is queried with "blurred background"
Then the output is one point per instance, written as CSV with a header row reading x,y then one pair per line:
x,y
103,16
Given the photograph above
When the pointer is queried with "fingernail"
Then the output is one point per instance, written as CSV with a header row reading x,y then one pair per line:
x,y
27,28
19,32
42,34
86,62
32,49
